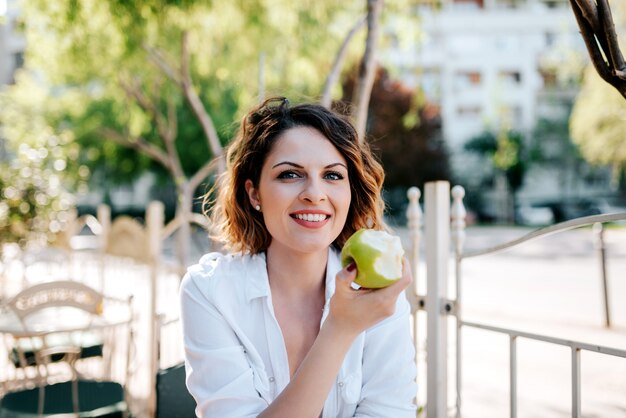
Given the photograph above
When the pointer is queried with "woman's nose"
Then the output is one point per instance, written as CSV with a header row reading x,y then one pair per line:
x,y
313,191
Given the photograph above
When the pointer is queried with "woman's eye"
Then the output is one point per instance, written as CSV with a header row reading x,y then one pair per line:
x,y
288,175
333,175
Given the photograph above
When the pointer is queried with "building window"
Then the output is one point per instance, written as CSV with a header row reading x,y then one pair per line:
x,y
469,111
509,4
553,4
468,79
511,78
18,60
430,81
549,77
513,114
470,4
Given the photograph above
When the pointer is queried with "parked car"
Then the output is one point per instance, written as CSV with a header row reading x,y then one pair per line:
x,y
534,216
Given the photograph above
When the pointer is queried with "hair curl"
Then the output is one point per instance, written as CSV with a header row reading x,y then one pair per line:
x,y
235,224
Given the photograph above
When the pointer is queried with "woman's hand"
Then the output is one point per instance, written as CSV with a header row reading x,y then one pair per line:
x,y
353,311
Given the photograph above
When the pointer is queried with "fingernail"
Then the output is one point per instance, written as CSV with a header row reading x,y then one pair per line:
x,y
351,267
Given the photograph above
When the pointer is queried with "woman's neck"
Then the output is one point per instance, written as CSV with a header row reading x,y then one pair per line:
x,y
295,273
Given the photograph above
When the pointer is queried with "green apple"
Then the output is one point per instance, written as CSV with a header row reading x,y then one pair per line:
x,y
377,255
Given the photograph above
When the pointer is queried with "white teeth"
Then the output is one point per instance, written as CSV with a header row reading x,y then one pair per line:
x,y
310,217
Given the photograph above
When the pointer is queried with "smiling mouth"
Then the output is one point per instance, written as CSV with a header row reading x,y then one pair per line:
x,y
310,217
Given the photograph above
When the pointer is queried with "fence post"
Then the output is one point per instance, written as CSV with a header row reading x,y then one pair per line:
x,y
437,214
414,221
458,214
154,229
104,219
598,229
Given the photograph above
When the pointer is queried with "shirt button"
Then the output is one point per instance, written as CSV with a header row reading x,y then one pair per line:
x,y
272,379
340,384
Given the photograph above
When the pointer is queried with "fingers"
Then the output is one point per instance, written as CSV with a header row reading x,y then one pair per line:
x,y
346,275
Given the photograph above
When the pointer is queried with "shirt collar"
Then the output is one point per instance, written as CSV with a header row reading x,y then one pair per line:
x,y
332,268
258,281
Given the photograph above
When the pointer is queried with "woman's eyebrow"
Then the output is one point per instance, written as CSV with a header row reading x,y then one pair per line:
x,y
299,166
287,163
336,164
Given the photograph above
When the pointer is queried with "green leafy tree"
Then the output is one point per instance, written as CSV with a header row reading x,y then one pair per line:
x,y
34,203
405,133
595,20
598,125
597,121
507,155
167,78
155,84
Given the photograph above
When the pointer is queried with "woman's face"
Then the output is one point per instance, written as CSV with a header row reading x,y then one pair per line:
x,y
303,191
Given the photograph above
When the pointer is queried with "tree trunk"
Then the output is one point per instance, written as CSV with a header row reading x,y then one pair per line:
x,y
367,69
595,20
333,75
183,213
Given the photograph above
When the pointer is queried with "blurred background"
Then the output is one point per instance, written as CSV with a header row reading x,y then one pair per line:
x,y
116,104
494,95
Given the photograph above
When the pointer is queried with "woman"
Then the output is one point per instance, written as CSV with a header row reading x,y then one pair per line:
x,y
274,328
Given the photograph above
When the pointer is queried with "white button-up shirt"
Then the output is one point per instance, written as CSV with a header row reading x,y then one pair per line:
x,y
236,359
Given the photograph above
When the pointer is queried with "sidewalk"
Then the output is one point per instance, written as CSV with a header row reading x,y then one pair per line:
x,y
548,286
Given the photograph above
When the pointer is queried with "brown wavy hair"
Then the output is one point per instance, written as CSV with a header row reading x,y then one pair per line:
x,y
235,224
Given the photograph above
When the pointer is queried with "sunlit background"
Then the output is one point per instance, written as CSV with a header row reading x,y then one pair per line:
x,y
120,103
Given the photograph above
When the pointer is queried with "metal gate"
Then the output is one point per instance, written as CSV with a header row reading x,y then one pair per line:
x,y
445,224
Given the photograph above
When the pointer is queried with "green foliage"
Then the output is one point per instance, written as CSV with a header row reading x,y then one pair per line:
x,y
598,123
404,133
598,119
87,53
33,204
506,152
33,200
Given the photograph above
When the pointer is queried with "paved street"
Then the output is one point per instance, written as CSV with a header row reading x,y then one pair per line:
x,y
549,286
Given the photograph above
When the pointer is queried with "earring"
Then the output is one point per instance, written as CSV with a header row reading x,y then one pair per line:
x,y
258,207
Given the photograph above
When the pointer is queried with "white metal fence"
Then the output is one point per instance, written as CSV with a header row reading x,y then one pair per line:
x,y
445,224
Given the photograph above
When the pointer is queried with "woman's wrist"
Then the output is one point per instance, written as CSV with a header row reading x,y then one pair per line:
x,y
343,333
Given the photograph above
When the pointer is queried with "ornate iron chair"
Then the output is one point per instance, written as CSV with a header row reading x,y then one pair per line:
x,y
46,342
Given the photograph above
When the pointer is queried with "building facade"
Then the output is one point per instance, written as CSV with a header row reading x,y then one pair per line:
x,y
498,65
12,43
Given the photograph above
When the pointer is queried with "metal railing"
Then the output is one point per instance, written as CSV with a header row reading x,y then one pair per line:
x,y
575,346
442,222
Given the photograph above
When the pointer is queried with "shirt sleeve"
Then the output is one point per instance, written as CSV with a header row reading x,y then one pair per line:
x,y
389,383
219,376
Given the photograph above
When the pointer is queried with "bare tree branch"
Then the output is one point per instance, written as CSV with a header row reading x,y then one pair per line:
x,y
166,127
172,130
170,146
367,70
163,63
138,144
134,92
261,76
588,35
333,75
198,108
602,45
590,13
203,173
617,60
